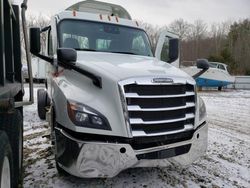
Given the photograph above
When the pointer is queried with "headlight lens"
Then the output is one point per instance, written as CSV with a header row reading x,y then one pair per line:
x,y
84,116
202,109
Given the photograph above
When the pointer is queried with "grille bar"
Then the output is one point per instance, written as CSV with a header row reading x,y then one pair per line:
x,y
135,95
138,108
140,121
143,133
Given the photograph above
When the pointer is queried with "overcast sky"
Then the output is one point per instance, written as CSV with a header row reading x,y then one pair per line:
x,y
161,12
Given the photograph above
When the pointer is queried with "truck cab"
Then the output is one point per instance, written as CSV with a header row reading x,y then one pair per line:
x,y
111,101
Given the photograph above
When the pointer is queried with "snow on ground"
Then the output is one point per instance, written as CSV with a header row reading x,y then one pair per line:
x,y
227,163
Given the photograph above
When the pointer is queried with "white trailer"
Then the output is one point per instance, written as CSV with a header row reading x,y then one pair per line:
x,y
39,69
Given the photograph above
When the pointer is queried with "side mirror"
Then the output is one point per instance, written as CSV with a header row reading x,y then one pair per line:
x,y
173,49
67,56
202,64
35,44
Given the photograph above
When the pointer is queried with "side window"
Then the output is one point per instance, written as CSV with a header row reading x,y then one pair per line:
x,y
138,45
165,50
221,67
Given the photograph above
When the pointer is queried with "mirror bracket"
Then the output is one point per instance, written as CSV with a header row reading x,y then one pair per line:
x,y
45,58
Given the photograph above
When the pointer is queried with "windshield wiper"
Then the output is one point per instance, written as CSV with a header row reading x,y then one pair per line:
x,y
93,50
117,52
85,49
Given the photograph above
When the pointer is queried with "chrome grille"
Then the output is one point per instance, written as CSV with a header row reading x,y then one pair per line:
x,y
159,109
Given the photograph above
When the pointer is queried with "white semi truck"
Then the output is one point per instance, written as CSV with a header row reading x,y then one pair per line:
x,y
112,104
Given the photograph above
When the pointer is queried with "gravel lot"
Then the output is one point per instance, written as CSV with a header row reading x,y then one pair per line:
x,y
227,163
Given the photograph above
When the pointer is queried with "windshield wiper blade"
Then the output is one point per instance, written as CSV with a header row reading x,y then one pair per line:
x,y
93,50
85,49
117,52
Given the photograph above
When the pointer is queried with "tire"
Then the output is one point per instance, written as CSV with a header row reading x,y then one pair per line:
x,y
53,125
6,163
13,127
61,171
220,88
43,101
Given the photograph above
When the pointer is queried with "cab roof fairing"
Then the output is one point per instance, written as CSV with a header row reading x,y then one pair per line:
x,y
98,7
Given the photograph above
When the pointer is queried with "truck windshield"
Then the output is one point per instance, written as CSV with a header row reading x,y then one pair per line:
x,y
103,37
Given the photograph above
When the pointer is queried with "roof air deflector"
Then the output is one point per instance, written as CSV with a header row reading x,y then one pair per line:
x,y
98,7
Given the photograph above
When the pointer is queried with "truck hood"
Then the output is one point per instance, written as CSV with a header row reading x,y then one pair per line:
x,y
124,66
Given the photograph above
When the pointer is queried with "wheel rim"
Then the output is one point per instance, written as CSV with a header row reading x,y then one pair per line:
x,y
5,179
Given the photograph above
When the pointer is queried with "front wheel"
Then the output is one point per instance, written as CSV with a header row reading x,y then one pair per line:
x,y
61,171
43,101
6,163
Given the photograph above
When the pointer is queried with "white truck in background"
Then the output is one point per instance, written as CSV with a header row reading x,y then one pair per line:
x,y
39,70
111,103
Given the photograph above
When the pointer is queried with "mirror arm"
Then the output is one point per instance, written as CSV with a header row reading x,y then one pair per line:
x,y
199,73
45,58
97,80
45,29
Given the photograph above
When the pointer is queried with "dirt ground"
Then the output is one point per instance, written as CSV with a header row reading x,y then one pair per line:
x,y
227,163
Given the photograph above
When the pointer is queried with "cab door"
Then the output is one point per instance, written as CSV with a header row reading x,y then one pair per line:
x,y
167,48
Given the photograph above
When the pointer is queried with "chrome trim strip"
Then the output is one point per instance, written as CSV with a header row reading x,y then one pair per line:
x,y
135,95
159,148
147,80
138,108
140,121
143,134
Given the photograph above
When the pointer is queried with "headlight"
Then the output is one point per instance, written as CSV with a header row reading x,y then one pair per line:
x,y
202,109
84,116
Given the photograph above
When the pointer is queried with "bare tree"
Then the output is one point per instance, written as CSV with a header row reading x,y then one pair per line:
x,y
198,29
153,33
181,28
40,21
218,35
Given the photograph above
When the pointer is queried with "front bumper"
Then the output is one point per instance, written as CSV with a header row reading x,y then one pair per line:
x,y
98,159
